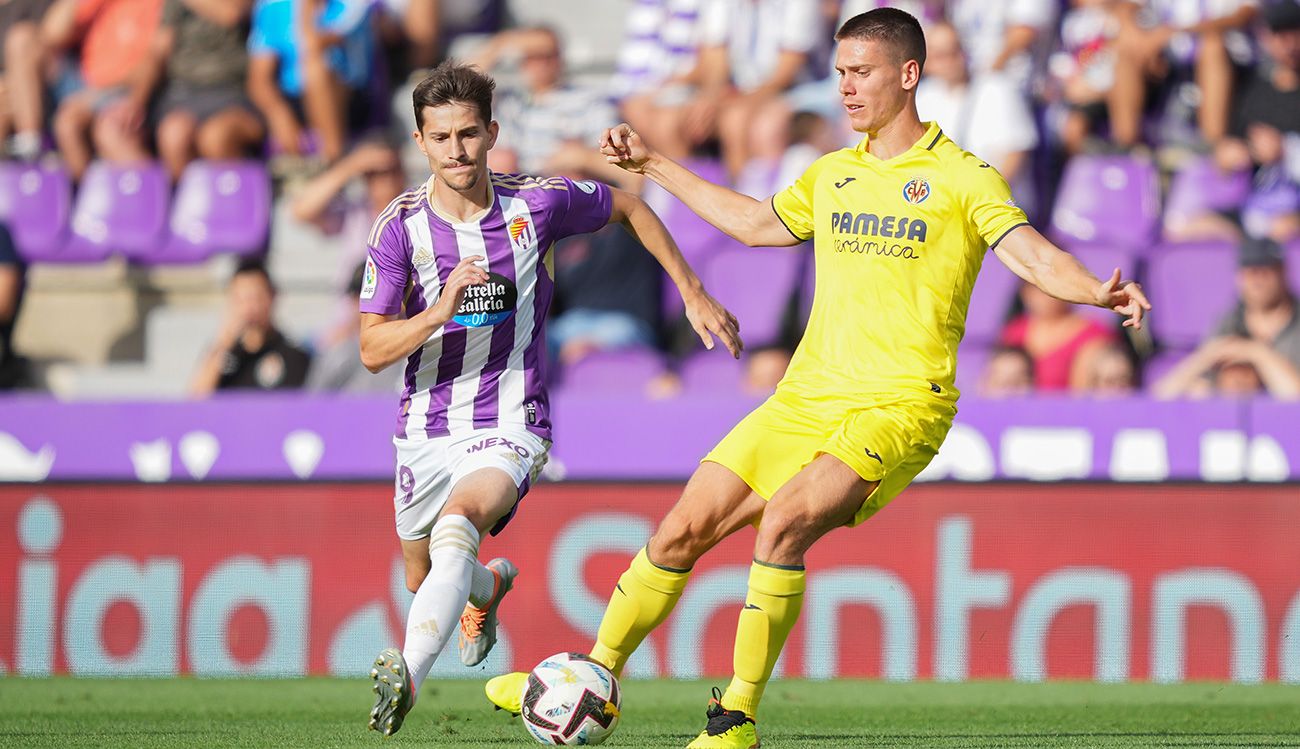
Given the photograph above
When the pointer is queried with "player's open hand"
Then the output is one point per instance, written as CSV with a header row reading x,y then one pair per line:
x,y
622,147
1125,298
466,274
709,318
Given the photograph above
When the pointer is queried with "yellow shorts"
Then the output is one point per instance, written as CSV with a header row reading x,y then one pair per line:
x,y
884,439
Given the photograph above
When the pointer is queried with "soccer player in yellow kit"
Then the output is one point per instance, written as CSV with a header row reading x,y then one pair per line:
x,y
900,226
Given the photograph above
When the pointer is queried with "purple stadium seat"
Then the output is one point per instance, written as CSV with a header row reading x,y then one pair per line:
x,y
1160,365
699,240
1103,261
35,201
712,371
219,207
995,290
120,208
971,360
756,285
1108,200
1199,188
625,371
1191,287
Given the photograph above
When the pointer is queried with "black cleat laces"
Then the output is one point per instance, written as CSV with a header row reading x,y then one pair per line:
x,y
721,719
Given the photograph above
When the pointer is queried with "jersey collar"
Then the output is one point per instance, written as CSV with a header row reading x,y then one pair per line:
x,y
926,143
478,219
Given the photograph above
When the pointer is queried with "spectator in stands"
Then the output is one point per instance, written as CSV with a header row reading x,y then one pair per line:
x,y
750,54
659,47
1009,37
344,199
197,70
249,352
764,368
781,157
115,37
310,64
547,112
422,31
1262,333
1109,373
1059,340
984,114
1266,116
609,294
1231,367
22,79
1202,41
1266,310
336,366
1009,373
13,282
1082,70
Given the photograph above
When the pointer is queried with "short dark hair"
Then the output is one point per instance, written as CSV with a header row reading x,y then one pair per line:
x,y
895,27
454,82
256,267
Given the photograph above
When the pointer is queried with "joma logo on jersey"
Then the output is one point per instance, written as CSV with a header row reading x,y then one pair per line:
x,y
871,225
916,191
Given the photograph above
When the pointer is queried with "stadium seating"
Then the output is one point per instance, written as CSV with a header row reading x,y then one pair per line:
x,y
1103,261
35,201
1200,187
1191,287
711,372
613,371
218,207
1107,200
994,292
119,209
1160,365
972,358
756,286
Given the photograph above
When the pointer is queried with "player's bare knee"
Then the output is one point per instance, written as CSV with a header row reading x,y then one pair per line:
x,y
786,533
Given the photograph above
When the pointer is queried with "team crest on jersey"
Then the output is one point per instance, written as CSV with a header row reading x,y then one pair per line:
x,y
916,191
522,233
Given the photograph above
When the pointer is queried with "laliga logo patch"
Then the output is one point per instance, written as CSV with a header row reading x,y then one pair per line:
x,y
489,303
369,280
916,191
522,234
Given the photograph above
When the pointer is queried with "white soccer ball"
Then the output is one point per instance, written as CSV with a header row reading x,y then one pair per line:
x,y
572,700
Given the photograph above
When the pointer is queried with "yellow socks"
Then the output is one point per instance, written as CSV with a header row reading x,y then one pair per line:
x,y
645,595
771,609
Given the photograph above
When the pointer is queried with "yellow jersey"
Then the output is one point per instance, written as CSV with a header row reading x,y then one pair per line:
x,y
898,244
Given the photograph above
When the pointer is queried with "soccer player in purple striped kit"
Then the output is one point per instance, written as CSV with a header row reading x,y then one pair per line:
x,y
457,282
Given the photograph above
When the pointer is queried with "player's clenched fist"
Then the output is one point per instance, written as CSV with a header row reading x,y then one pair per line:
x,y
463,276
623,147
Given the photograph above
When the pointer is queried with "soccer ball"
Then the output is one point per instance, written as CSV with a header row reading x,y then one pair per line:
x,y
572,700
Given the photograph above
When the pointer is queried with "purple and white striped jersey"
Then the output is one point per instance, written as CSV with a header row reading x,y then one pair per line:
x,y
487,367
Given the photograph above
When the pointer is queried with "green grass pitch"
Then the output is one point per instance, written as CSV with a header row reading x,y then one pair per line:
x,y
322,713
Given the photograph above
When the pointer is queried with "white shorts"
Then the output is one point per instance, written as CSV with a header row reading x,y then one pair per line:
x,y
427,471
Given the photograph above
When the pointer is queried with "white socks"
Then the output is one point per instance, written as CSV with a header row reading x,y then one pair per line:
x,y
482,587
435,612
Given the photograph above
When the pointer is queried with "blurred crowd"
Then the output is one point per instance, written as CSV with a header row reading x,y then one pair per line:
x,y
743,89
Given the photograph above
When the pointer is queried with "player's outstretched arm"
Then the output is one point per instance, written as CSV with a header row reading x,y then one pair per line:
x,y
1032,257
750,221
386,339
706,315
